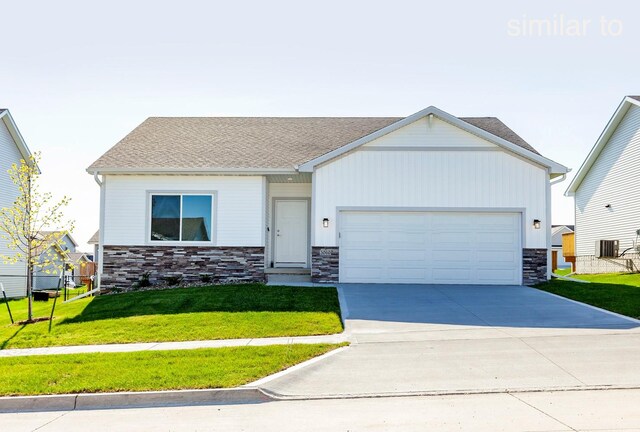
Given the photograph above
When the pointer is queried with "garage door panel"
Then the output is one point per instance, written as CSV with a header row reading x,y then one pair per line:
x,y
407,273
490,276
359,256
503,238
430,247
362,219
496,256
448,237
451,275
364,274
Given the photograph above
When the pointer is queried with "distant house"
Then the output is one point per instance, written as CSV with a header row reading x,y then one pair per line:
x,y
12,149
95,241
607,196
428,198
62,253
556,243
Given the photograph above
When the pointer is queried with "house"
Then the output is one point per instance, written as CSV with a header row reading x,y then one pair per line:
x,y
556,244
94,240
429,198
61,253
76,269
12,149
607,197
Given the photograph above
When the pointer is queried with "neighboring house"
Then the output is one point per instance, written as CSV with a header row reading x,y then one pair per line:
x,y
12,149
63,252
95,240
607,196
556,243
77,261
430,198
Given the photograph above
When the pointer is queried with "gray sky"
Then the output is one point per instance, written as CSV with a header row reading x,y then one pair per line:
x,y
78,76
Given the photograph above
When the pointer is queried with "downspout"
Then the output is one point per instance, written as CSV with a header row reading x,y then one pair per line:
x,y
548,224
97,179
101,183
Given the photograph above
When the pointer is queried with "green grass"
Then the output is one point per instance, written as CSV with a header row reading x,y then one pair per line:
x,y
563,271
147,370
202,313
617,292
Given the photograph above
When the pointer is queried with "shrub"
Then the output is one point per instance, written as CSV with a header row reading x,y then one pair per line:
x,y
206,278
173,279
144,280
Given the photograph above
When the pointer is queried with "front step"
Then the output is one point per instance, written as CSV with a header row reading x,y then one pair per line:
x,y
286,275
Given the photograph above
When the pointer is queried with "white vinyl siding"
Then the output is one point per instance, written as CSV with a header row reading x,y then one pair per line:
x,y
9,154
430,247
239,208
430,133
431,179
612,179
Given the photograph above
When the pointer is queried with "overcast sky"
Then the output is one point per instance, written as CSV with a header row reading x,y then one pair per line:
x,y
78,76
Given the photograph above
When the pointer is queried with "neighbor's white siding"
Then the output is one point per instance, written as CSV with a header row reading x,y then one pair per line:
x,y
238,221
9,154
431,179
613,179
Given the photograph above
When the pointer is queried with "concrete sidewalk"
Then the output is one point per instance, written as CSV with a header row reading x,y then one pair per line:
x,y
162,346
540,411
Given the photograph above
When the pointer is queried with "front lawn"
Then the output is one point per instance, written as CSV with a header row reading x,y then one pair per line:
x,y
202,313
617,292
149,370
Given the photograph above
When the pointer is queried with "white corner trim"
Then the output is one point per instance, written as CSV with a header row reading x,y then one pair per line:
x,y
601,142
554,167
5,116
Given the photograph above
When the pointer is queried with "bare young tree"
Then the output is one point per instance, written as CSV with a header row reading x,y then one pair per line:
x,y
31,225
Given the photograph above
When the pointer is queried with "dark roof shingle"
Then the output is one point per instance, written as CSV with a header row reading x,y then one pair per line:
x,y
251,142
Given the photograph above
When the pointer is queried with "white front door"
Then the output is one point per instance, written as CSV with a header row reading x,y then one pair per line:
x,y
291,234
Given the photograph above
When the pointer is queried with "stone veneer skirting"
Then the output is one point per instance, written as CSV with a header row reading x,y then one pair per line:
x,y
325,264
590,264
123,265
534,266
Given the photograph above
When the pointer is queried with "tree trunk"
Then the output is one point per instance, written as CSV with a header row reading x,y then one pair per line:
x,y
30,292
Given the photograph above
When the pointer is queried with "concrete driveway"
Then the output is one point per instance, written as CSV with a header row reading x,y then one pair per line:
x,y
410,339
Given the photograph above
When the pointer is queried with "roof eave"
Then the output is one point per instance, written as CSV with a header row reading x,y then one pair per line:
x,y
602,140
191,171
6,117
554,167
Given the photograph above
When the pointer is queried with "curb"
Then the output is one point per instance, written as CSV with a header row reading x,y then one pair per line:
x,y
439,393
89,401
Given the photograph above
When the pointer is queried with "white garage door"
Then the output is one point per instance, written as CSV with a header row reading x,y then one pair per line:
x,y
430,247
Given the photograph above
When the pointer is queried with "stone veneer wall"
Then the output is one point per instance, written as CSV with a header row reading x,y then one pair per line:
x,y
123,265
534,266
325,264
590,264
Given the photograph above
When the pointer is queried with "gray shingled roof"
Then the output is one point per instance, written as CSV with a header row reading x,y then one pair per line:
x,y
251,142
95,238
635,97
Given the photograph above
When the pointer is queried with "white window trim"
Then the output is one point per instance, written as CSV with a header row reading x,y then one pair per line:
x,y
181,193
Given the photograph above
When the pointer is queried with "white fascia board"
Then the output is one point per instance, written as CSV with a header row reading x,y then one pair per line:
x,y
554,167
6,117
192,171
602,141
